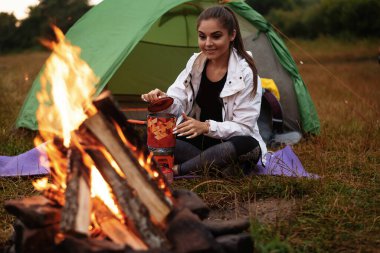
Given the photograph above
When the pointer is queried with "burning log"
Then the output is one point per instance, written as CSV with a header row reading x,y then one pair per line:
x,y
55,195
137,177
135,213
114,229
77,209
107,106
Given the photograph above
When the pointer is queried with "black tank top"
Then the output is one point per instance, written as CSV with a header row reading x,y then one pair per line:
x,y
208,98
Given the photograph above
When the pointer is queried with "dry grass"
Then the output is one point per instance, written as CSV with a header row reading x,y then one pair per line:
x,y
339,213
16,76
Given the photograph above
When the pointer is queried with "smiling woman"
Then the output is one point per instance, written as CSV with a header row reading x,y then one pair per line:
x,y
20,8
217,99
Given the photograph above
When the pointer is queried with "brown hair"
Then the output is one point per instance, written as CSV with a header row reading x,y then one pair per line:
x,y
228,20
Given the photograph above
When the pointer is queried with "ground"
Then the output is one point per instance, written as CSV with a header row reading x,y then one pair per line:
x,y
337,213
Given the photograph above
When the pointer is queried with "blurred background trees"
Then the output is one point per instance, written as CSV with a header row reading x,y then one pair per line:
x,y
296,18
7,30
313,18
25,34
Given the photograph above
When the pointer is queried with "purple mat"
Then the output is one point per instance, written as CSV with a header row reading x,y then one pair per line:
x,y
283,162
32,162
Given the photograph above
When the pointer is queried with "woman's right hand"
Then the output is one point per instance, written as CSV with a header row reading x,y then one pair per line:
x,y
153,95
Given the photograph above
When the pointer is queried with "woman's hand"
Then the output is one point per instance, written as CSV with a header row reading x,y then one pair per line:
x,y
191,127
153,95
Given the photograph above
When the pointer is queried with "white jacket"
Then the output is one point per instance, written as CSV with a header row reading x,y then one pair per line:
x,y
240,109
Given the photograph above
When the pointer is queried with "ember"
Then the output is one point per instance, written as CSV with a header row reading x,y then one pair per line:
x,y
105,192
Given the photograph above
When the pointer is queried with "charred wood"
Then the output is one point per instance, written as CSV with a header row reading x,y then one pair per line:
x,y
109,109
107,105
239,243
118,232
190,200
39,240
137,177
135,212
77,209
72,244
34,212
55,195
57,157
187,234
218,227
87,245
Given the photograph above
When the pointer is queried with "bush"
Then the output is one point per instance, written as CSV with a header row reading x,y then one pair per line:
x,y
358,18
7,29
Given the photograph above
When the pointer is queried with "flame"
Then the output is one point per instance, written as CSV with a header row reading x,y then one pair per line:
x,y
100,188
67,88
144,162
113,163
65,101
40,184
123,138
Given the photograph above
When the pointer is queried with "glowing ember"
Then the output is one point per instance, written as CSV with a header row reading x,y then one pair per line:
x,y
40,184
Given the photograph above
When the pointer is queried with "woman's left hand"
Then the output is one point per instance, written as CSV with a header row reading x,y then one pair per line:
x,y
191,127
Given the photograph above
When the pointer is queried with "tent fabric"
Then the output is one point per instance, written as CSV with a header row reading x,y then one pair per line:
x,y
309,116
104,49
269,66
117,41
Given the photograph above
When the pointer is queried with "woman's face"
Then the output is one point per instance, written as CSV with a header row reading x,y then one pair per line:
x,y
214,40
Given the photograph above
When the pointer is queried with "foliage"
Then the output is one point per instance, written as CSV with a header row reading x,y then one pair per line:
x,y
358,18
267,240
264,6
36,26
7,29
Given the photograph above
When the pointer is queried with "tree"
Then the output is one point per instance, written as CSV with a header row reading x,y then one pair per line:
x,y
264,6
61,13
7,29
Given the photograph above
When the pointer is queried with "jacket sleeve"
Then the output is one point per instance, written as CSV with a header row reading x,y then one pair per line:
x,y
180,91
245,112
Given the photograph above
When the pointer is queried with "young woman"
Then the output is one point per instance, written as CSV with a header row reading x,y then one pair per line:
x,y
217,98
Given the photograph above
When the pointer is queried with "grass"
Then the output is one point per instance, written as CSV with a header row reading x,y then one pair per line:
x,y
338,213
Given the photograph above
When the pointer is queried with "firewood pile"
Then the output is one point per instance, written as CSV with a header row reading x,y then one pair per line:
x,y
146,215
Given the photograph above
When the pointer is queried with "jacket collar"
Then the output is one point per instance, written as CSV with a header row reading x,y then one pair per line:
x,y
234,81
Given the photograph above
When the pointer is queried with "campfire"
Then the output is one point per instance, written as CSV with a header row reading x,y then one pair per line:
x,y
105,191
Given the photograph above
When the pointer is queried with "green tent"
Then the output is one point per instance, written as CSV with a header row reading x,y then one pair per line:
x,y
135,46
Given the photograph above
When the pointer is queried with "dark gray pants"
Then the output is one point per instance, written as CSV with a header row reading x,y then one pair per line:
x,y
191,156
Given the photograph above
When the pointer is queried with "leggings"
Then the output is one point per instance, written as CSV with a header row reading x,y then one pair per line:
x,y
194,154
